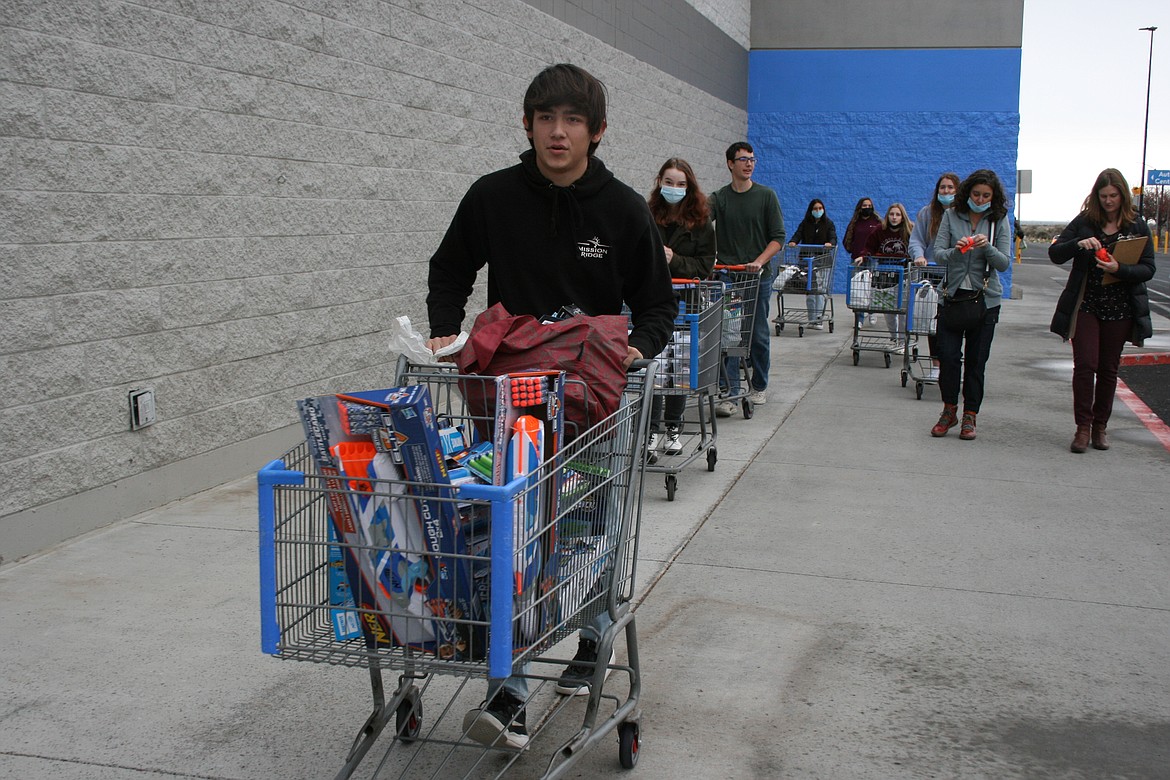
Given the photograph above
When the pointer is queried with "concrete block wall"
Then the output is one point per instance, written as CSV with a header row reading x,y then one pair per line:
x,y
229,202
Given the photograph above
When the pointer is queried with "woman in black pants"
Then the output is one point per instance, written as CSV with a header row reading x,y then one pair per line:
x,y
1104,303
973,245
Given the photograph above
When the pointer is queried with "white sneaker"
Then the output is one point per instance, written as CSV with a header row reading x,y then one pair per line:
x,y
758,397
816,326
654,443
725,408
673,440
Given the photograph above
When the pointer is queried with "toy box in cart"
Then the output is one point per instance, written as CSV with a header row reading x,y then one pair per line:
x,y
402,595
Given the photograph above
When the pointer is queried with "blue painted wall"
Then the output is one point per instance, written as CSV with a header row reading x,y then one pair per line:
x,y
844,124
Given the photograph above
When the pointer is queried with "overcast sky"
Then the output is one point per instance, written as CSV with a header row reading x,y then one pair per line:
x,y
1083,97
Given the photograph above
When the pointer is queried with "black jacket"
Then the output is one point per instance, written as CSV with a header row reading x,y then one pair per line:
x,y
592,244
815,231
694,250
1133,276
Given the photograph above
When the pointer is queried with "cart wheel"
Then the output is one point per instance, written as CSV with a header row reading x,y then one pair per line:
x,y
671,486
830,326
887,360
856,357
779,328
905,377
918,390
408,718
711,459
800,331
628,739
748,409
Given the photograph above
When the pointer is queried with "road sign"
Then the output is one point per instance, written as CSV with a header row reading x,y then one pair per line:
x,y
1156,178
1024,182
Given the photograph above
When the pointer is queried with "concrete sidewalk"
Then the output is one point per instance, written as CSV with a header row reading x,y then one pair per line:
x,y
843,597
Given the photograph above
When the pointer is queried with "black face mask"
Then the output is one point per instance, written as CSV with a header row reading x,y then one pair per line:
x,y
867,212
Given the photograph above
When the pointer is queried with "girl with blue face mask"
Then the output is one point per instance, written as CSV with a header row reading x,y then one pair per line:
x,y
925,230
973,246
680,211
815,229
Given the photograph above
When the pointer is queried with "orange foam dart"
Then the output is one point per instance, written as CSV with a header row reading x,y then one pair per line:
x,y
354,457
527,391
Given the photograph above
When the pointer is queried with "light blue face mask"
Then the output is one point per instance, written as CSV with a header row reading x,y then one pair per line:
x,y
976,208
818,213
946,200
672,194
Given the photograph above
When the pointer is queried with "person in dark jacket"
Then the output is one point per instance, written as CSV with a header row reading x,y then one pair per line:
x,y
555,230
1104,303
680,211
816,229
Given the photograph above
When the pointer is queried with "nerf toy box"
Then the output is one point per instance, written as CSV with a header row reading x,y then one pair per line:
x,y
396,539
529,429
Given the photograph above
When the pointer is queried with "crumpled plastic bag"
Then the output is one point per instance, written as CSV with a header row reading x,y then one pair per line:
x,y
405,340
786,272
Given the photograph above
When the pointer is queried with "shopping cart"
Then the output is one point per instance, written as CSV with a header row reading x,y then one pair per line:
x,y
740,293
922,292
576,516
807,275
687,380
876,287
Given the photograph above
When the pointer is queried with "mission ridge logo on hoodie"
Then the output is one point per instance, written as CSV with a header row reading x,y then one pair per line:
x,y
593,249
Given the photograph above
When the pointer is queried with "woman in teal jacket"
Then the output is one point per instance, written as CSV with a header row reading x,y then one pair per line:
x,y
973,245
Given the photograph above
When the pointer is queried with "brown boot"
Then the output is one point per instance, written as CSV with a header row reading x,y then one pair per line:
x,y
967,430
946,420
1097,434
1080,441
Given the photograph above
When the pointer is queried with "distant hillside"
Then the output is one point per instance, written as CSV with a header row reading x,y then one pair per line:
x,y
1042,231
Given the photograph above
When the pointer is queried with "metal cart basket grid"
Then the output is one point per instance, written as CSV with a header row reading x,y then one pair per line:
x,y
923,284
807,290
540,557
876,287
689,375
740,294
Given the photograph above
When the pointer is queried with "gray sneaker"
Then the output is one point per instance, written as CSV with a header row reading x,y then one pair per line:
x,y
725,408
758,397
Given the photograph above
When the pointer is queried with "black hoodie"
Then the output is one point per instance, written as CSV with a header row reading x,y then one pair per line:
x,y
593,244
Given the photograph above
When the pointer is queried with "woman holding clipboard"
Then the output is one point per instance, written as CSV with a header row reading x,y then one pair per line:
x,y
1104,304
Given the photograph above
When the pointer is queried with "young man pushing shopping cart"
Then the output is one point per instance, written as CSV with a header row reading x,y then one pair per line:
x,y
556,230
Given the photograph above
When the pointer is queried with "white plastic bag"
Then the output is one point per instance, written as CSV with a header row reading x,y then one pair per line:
x,y
405,340
786,273
925,308
861,289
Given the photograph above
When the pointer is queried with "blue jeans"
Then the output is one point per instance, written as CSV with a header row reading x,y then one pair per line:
x,y
760,352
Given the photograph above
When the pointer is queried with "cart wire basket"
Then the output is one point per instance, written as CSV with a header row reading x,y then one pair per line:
x,y
804,286
741,288
923,286
877,287
550,552
687,382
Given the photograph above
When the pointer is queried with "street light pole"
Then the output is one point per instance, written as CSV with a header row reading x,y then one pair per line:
x,y
1146,131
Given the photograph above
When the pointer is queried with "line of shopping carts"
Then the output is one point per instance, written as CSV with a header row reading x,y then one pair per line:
x,y
803,288
467,590
906,298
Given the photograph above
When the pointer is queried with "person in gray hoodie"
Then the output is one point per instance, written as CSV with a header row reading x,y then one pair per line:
x,y
973,245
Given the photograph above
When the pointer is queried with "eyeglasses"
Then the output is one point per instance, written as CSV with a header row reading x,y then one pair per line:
x,y
746,160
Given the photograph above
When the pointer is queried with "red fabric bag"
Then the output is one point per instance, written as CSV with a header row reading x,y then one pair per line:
x,y
588,349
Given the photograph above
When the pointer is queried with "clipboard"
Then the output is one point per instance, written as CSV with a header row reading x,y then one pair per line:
x,y
1127,251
